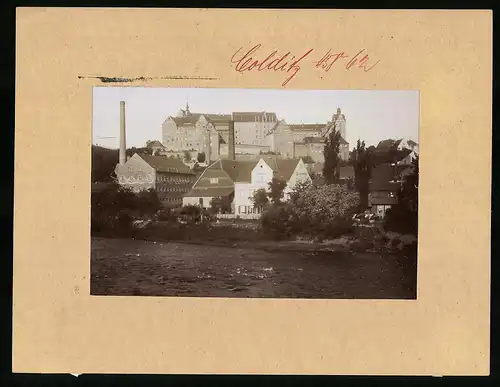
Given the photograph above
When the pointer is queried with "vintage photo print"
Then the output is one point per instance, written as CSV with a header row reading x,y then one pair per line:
x,y
254,193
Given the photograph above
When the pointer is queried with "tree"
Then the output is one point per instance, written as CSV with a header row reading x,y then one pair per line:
x,y
260,198
316,211
403,217
276,190
103,164
331,153
142,151
220,205
187,155
362,164
201,157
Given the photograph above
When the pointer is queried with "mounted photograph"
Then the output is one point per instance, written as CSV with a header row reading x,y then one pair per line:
x,y
254,193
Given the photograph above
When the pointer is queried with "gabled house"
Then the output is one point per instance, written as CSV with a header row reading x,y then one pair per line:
x,y
392,162
238,180
169,177
156,147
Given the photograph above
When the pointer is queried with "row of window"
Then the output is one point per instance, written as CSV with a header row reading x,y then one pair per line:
x,y
171,189
176,180
169,199
135,179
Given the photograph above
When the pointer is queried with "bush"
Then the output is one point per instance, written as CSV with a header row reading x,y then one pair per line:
x,y
400,219
279,221
322,212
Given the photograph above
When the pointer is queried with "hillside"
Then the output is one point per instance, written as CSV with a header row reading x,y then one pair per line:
x,y
104,161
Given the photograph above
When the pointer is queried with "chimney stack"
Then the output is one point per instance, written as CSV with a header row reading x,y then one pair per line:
x,y
231,146
123,146
208,156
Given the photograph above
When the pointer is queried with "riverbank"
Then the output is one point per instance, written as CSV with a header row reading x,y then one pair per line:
x,y
248,236
130,267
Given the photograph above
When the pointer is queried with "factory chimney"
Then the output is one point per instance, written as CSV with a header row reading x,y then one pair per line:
x,y
208,155
123,142
231,146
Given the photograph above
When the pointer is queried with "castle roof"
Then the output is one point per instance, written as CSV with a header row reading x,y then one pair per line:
x,y
254,116
307,127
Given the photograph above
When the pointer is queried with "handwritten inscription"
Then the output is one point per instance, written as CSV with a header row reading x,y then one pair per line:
x,y
358,60
286,62
253,60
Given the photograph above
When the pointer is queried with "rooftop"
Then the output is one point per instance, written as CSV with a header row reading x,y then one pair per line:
x,y
166,164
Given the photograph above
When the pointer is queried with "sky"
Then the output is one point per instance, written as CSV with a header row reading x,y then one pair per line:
x,y
371,115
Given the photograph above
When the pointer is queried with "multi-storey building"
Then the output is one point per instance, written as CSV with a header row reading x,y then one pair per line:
x,y
169,177
251,128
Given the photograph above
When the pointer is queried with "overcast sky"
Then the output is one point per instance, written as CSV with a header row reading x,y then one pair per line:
x,y
371,115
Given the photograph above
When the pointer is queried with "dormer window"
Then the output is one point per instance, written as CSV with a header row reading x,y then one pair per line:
x,y
214,180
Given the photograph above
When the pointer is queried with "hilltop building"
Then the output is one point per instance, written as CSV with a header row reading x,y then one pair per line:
x,y
254,133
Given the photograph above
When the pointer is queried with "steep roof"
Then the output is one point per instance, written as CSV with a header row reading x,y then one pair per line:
x,y
238,171
383,178
218,118
209,192
283,168
166,164
190,119
388,144
307,127
155,143
254,116
241,171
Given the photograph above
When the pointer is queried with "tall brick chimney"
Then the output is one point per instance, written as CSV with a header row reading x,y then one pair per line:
x,y
208,155
123,140
231,146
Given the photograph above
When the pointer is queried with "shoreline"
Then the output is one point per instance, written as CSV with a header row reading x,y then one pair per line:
x,y
292,246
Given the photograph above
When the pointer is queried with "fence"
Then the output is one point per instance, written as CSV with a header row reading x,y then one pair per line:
x,y
241,216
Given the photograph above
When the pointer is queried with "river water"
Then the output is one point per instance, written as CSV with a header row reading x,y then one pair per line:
x,y
131,267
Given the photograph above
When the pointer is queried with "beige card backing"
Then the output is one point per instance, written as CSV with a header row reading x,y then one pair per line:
x,y
59,327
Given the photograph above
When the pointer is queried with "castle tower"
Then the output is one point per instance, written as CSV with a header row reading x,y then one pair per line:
x,y
339,119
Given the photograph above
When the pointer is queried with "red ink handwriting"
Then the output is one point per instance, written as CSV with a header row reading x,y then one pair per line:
x,y
272,62
329,59
291,64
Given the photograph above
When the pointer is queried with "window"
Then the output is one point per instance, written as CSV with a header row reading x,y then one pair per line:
x,y
214,180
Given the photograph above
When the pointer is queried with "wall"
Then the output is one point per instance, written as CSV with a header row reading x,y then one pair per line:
x,y
244,149
300,175
300,150
282,140
262,174
252,133
171,186
136,174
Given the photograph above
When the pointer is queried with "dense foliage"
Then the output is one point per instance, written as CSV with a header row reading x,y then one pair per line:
x,y
104,161
403,217
201,157
220,205
115,207
331,153
276,190
260,198
361,160
323,211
